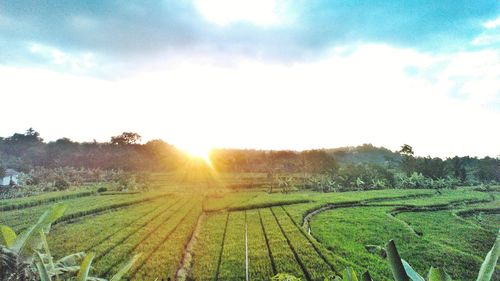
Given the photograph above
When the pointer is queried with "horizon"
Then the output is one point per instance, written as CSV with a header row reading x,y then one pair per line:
x,y
270,75
204,153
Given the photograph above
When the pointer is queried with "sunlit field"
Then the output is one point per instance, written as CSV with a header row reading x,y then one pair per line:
x,y
207,231
249,140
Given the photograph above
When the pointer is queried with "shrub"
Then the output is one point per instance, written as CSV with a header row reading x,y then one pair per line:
x,y
28,256
61,184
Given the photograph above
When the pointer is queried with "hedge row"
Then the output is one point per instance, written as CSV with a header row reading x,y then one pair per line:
x,y
45,201
267,205
98,210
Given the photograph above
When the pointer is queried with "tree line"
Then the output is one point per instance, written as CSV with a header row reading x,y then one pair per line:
x,y
363,166
25,151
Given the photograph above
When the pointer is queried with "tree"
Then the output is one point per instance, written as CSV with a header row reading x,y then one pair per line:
x,y
126,138
458,168
286,183
317,162
408,163
406,150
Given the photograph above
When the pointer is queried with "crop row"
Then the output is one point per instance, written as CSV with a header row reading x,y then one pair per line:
x,y
17,204
275,244
19,219
105,245
155,219
314,266
259,255
115,251
267,205
284,257
163,253
86,234
209,246
232,265
77,207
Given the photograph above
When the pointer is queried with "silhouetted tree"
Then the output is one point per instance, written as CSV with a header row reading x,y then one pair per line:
x,y
126,138
408,162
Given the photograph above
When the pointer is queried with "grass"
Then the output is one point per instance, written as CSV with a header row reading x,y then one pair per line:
x,y
346,232
455,234
260,263
77,207
313,265
44,198
208,247
232,265
283,255
440,229
162,252
119,248
85,235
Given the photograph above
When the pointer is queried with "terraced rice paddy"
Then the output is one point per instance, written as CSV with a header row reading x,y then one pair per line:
x,y
254,235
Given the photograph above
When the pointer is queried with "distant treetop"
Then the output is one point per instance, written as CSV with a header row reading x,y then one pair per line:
x,y
126,138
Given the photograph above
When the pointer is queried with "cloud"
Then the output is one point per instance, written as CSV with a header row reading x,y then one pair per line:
x,y
138,35
492,23
292,74
350,97
224,12
55,57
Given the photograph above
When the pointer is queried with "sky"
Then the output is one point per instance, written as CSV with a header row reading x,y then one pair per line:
x,y
264,74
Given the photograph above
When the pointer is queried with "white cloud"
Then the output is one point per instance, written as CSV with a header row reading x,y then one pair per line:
x,y
491,34
75,62
492,23
486,39
367,95
223,12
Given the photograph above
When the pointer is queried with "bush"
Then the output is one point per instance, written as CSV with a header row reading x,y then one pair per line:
x,y
61,184
102,189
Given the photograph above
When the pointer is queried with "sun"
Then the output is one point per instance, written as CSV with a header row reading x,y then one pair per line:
x,y
198,151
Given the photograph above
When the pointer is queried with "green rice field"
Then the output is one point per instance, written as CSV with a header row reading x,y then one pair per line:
x,y
235,234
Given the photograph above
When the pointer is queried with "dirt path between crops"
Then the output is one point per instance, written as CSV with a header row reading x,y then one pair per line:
x,y
186,263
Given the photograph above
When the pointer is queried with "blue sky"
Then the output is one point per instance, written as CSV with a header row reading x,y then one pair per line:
x,y
369,69
114,31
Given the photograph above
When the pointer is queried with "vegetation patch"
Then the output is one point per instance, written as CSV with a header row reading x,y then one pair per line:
x,y
267,205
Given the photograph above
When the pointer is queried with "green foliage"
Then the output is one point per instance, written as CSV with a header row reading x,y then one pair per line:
x,y
366,276
490,262
161,227
7,236
83,272
27,242
403,271
27,152
284,277
126,138
322,182
397,268
438,274
125,268
349,275
450,239
61,184
28,254
27,202
285,183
